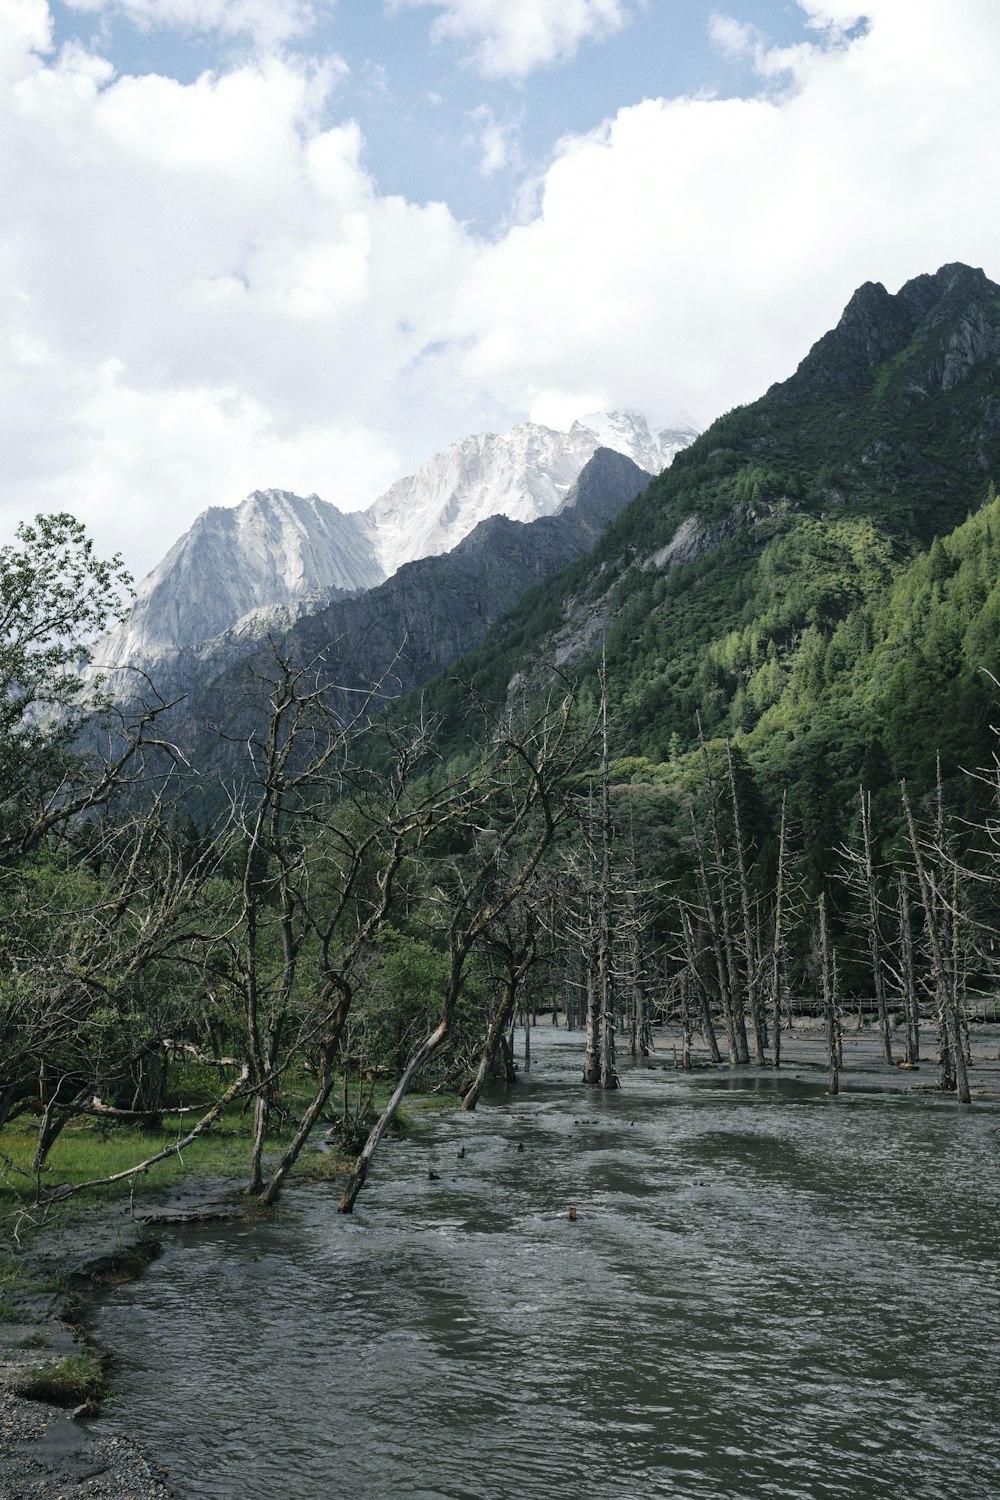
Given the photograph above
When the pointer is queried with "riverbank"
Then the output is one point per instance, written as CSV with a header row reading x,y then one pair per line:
x,y
52,1374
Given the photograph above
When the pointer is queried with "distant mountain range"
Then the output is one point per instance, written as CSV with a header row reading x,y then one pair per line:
x,y
242,574
410,627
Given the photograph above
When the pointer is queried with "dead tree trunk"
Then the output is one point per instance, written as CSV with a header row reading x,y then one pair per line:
x,y
911,1004
608,1076
948,1026
733,986
705,1004
685,1023
829,1003
778,945
874,940
715,935
516,966
757,1023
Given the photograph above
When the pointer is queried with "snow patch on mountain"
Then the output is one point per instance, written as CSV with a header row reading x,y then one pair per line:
x,y
629,432
279,552
521,474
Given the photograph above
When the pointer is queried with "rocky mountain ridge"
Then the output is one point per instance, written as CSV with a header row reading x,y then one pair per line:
x,y
740,582
418,622
521,474
239,575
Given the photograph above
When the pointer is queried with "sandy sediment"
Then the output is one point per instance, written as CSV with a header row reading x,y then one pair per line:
x,y
44,1451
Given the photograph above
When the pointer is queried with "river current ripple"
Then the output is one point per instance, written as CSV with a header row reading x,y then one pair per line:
x,y
765,1293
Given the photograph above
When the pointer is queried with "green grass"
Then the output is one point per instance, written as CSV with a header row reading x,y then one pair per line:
x,y
76,1377
85,1151
88,1150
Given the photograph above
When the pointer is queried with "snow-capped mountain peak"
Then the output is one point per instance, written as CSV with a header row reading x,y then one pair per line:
x,y
629,432
273,548
278,551
522,474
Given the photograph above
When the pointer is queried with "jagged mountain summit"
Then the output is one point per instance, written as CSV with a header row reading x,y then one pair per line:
x,y
415,624
241,574
243,569
521,474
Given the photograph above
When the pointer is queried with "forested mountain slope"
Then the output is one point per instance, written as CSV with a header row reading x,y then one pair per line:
x,y
782,579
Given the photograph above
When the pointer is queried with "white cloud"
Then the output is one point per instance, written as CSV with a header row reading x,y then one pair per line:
x,y
168,250
268,22
686,254
511,38
497,140
202,290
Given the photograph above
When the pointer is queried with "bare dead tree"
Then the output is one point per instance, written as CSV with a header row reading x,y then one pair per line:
x,y
757,1021
937,929
524,772
515,943
778,941
733,992
833,1045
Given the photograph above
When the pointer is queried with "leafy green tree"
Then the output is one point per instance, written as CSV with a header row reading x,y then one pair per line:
x,y
56,595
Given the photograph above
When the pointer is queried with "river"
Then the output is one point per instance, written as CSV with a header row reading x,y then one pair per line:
x,y
765,1293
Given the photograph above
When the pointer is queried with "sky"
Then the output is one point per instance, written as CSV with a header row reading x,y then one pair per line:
x,y
306,244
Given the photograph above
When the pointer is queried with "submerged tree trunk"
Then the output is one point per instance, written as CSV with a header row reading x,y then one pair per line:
x,y
704,1001
757,1023
324,1088
952,1054
733,987
591,1065
685,1023
874,943
356,1180
829,1003
608,1076
718,951
778,946
516,966
911,1004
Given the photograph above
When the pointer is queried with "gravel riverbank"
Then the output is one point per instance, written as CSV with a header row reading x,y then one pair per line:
x,y
53,1451
44,1451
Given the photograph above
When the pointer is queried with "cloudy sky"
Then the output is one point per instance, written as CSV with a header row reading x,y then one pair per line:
x,y
307,243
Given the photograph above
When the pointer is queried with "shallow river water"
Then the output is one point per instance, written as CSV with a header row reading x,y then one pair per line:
x,y
765,1293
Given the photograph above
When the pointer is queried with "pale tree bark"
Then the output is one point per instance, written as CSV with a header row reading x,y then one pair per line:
x,y
516,966
829,1003
528,782
734,988
757,1022
948,1024
911,1003
685,1023
874,936
778,944
607,1073
704,1000
722,971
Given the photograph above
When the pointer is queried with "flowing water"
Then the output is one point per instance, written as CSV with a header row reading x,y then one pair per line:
x,y
765,1293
